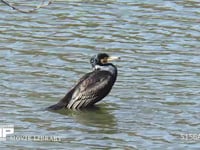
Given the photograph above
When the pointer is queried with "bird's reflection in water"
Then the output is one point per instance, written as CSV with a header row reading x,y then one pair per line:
x,y
96,116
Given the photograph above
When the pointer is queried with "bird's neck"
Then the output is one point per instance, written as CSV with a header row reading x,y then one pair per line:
x,y
107,67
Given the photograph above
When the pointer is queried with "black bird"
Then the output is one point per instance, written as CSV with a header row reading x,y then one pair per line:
x,y
93,86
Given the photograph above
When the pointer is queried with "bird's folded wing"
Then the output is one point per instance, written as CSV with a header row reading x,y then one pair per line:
x,y
94,87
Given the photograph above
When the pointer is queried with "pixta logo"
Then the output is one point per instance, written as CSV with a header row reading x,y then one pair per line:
x,y
6,130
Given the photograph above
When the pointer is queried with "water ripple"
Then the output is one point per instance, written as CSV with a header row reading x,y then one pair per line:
x,y
155,99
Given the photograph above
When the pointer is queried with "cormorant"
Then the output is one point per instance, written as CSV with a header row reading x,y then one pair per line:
x,y
93,86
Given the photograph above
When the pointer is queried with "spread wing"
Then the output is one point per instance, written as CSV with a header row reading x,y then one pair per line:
x,y
90,89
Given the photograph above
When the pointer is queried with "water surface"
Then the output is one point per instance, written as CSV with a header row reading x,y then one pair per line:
x,y
155,101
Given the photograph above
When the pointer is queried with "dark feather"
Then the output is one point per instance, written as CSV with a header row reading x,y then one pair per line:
x,y
90,89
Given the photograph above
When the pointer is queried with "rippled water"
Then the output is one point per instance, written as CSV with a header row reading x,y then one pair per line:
x,y
155,101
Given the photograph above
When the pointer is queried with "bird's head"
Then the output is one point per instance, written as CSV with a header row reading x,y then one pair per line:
x,y
102,59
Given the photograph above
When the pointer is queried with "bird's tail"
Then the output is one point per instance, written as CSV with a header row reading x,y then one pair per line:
x,y
62,103
57,106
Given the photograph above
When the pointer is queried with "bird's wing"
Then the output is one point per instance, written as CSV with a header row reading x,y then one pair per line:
x,y
66,99
90,89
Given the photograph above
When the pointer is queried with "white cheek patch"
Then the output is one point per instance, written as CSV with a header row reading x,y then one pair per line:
x,y
108,68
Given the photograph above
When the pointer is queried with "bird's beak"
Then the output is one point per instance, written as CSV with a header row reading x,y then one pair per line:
x,y
112,58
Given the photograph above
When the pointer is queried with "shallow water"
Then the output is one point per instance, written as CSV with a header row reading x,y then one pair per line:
x,y
155,101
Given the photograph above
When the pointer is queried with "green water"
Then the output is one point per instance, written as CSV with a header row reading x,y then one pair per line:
x,y
155,101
